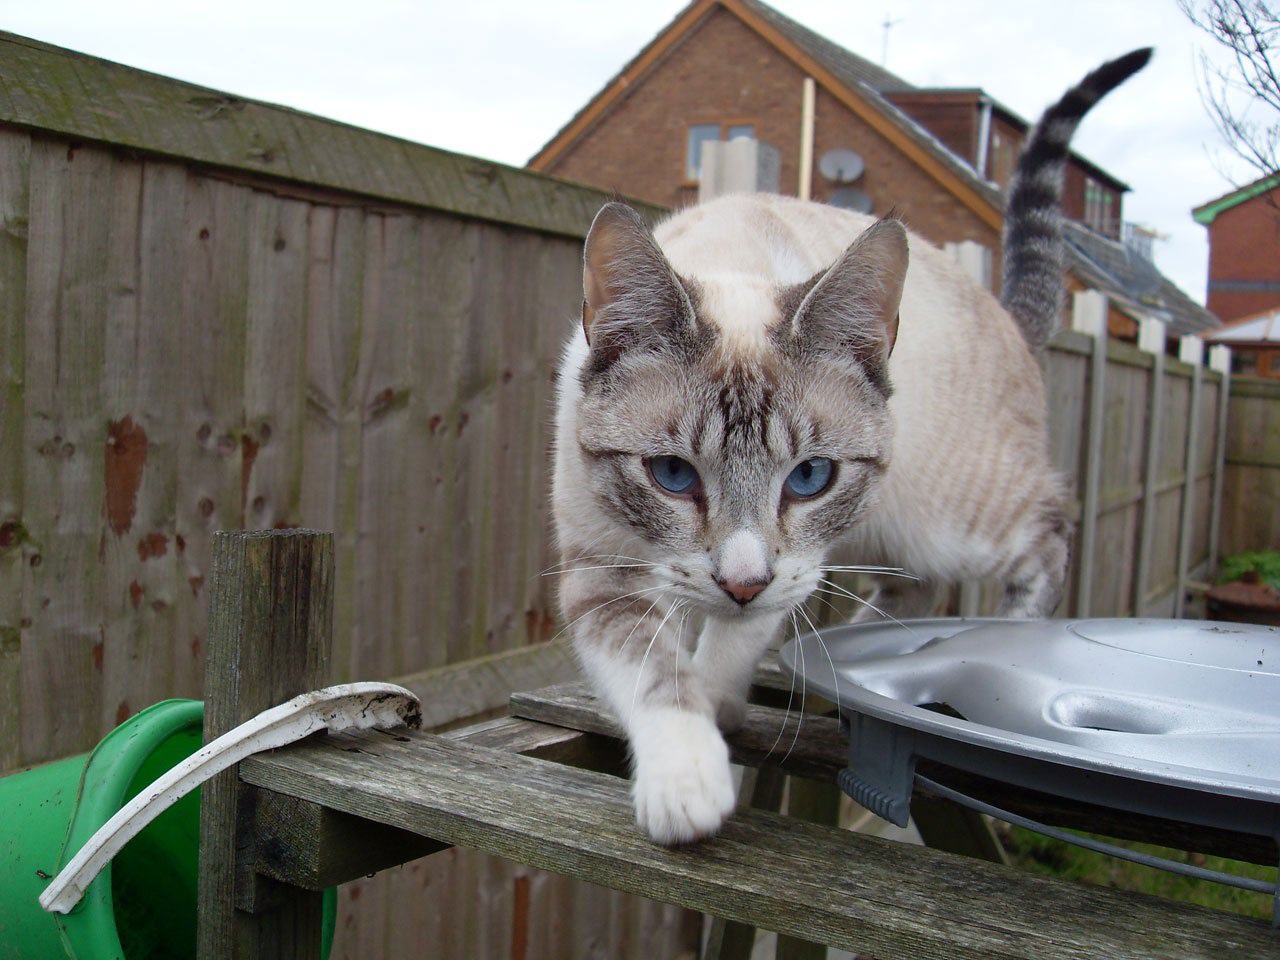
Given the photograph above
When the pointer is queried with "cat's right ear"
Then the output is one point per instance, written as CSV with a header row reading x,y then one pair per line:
x,y
629,291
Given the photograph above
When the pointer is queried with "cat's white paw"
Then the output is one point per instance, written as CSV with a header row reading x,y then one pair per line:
x,y
683,786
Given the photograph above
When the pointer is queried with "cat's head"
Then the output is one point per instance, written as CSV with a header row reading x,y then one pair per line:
x,y
732,428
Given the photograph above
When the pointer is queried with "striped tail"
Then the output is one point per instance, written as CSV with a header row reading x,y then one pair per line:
x,y
1032,287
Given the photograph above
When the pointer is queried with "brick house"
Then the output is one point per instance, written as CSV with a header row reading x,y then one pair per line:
x,y
1244,249
724,69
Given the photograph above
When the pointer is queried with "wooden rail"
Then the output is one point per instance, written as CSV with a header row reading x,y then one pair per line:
x,y
335,808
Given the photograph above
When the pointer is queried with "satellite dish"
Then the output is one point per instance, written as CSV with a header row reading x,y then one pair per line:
x,y
841,166
850,198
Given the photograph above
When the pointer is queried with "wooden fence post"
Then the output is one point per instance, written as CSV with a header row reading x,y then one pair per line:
x,y
1151,334
1219,360
1191,350
1089,315
270,615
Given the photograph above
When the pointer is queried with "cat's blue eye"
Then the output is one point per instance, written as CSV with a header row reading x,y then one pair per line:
x,y
674,475
809,478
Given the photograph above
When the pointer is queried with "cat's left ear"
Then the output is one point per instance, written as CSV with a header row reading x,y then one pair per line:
x,y
853,306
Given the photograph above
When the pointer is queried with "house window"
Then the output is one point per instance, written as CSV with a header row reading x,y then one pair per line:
x,y
1097,207
700,133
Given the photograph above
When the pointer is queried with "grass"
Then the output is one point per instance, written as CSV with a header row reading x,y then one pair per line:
x,y
1053,858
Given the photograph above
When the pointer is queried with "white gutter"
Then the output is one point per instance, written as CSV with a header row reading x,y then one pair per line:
x,y
805,191
984,136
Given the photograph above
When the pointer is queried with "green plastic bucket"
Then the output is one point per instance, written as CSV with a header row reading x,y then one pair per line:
x,y
143,905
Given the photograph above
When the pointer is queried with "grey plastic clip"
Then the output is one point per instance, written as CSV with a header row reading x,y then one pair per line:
x,y
882,766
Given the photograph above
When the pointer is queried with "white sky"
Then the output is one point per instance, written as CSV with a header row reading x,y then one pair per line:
x,y
498,78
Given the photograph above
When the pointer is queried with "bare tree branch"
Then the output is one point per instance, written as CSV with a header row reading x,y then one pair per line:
x,y
1242,100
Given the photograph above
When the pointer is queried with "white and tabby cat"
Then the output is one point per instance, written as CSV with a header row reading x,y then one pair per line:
x,y
742,396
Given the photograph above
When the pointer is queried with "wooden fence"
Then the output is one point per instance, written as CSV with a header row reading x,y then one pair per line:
x,y
221,314
1139,436
1251,499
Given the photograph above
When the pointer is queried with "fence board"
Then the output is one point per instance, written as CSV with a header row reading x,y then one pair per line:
x,y
140,386
65,482
210,405
15,160
1251,489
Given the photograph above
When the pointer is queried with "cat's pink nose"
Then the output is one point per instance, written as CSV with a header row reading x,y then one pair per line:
x,y
743,593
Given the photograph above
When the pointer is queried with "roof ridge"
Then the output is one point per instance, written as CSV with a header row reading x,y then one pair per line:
x,y
849,66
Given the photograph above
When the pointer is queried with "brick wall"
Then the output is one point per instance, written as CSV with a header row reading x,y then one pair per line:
x,y
1244,251
721,72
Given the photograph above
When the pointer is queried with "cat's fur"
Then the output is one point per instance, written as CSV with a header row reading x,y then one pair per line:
x,y
754,334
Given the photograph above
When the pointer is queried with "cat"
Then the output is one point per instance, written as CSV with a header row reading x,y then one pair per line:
x,y
741,396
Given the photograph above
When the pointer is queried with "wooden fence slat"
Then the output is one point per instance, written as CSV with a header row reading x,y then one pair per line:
x,y
15,162
1089,313
210,357
274,389
64,479
1220,362
1192,350
1151,337
141,384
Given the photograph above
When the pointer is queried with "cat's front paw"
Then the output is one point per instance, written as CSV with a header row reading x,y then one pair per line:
x,y
683,785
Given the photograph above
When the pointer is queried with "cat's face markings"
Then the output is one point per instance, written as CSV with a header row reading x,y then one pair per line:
x,y
738,459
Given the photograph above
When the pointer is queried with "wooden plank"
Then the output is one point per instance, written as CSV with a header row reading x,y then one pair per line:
x,y
1188,516
140,383
1151,468
15,158
837,887
271,604
823,750
75,466
44,86
210,405
271,433
309,846
1091,312
447,250
385,376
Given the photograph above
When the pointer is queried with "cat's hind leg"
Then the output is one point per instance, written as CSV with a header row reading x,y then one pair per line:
x,y
899,598
1034,584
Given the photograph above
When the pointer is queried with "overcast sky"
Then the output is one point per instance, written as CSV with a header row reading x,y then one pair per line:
x,y
498,78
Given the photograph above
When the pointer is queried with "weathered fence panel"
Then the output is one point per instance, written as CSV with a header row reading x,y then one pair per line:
x,y
1251,495
1147,517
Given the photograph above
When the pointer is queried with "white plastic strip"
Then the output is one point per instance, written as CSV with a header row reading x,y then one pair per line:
x,y
349,706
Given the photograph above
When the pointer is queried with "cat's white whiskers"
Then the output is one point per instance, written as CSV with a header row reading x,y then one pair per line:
x,y
632,632
790,696
680,643
817,633
878,571
598,566
838,591
567,566
635,693
803,685
625,596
